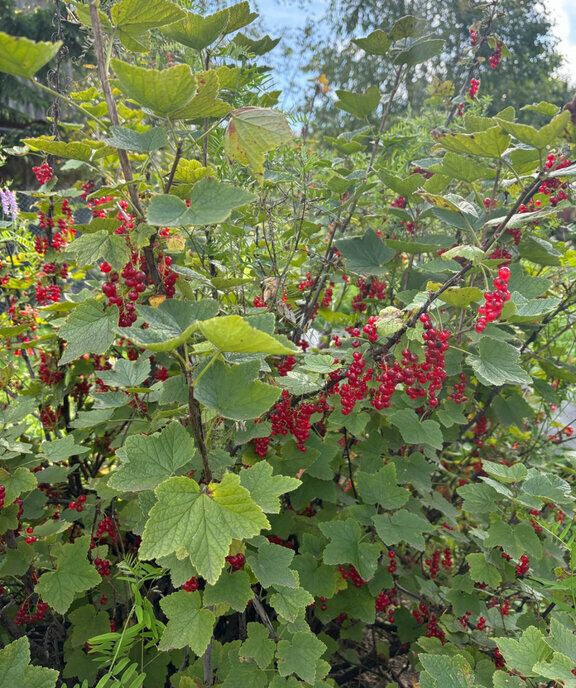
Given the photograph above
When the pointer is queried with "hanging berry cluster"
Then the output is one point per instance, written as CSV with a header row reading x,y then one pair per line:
x,y
372,289
491,310
473,90
496,56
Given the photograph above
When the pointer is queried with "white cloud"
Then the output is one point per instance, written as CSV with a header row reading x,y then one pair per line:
x,y
563,15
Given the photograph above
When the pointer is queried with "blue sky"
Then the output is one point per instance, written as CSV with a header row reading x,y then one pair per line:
x,y
278,15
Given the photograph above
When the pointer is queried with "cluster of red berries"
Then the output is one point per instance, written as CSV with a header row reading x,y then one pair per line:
x,y
399,202
47,294
236,561
373,289
46,373
292,420
286,366
77,505
24,617
461,109
473,37
106,527
473,90
496,56
458,396
464,620
385,599
2,495
44,173
102,566
30,537
323,603
356,388
392,565
191,585
434,631
523,567
447,560
275,540
307,283
554,188
327,298
49,417
499,662
421,614
491,310
434,563
350,573
481,624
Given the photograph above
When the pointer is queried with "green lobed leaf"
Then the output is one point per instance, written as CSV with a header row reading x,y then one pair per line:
x,y
188,623
200,524
206,102
148,460
290,603
233,333
89,329
300,655
233,589
147,141
271,565
126,373
22,57
497,364
15,668
265,489
359,104
74,150
16,483
73,574
252,132
88,248
449,671
537,138
415,431
348,546
481,571
419,52
258,646
197,31
402,526
376,43
491,143
382,488
366,255
524,653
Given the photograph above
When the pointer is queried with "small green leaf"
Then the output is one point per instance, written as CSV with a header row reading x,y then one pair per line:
x,y
497,364
233,589
201,524
258,646
188,623
74,574
206,102
196,31
366,255
252,132
126,373
491,143
539,251
376,43
300,655
402,526
89,329
264,488
290,603
22,57
347,546
138,16
420,51
75,150
407,26
88,248
147,141
233,392
271,565
382,488
256,47
150,459
62,449
481,571
359,104
448,671
537,138
415,431
503,473
16,483
240,16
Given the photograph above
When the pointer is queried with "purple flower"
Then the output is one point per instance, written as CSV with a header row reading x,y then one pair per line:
x,y
9,205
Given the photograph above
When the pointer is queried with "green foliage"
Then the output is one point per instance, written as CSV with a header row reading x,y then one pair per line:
x,y
283,411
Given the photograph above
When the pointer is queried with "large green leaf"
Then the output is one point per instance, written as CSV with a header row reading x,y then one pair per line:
x,y
201,524
22,57
163,91
252,132
240,16
89,329
16,483
415,431
348,546
211,202
138,16
376,43
290,603
359,104
300,655
126,373
196,31
402,526
491,143
171,324
259,46
537,138
366,255
522,654
271,565
15,669
188,623
147,460
460,167
448,671
75,150
481,571
206,102
89,248
419,52
233,392
265,489
497,364
233,333
73,574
